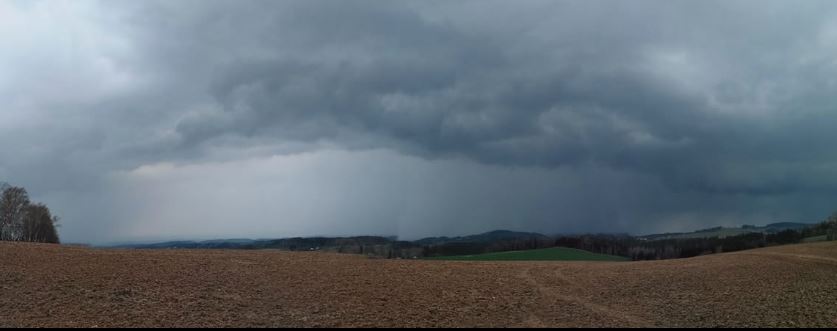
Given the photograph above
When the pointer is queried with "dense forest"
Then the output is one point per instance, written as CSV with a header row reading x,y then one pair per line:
x,y
23,220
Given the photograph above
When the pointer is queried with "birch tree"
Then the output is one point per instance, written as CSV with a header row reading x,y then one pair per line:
x,y
13,202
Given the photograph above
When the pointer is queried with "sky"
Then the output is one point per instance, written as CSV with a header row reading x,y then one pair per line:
x,y
199,119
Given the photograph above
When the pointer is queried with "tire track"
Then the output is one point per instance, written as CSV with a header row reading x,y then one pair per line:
x,y
551,294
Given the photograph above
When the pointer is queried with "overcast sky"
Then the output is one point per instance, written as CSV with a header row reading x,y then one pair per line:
x,y
149,120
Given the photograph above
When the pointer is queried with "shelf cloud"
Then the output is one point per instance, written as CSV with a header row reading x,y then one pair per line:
x,y
160,119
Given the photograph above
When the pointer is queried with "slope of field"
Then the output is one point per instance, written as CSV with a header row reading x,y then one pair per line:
x,y
815,239
546,254
47,285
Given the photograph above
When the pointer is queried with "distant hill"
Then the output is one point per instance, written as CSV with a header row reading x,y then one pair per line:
x,y
494,241
778,227
500,240
493,236
700,242
369,245
189,244
285,243
723,232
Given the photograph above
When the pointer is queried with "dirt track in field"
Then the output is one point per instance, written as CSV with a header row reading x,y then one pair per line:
x,y
47,285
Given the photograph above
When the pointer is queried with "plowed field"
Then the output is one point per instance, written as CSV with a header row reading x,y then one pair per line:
x,y
49,285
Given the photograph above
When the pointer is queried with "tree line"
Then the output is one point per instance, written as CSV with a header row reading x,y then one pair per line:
x,y
23,220
641,248
635,248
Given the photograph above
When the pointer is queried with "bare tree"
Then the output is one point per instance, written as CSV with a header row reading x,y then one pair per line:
x,y
39,225
13,202
831,227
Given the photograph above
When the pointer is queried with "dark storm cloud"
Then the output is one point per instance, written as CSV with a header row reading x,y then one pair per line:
x,y
703,110
713,97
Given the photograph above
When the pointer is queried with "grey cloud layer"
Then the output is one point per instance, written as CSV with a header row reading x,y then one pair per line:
x,y
728,105
700,94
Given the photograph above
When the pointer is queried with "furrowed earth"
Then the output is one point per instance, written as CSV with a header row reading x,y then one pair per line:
x,y
61,286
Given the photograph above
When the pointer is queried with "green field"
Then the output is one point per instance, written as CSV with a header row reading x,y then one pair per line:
x,y
546,254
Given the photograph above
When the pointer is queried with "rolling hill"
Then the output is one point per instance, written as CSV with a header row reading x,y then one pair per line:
x,y
722,232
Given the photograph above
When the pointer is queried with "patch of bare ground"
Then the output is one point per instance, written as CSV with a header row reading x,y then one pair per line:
x,y
49,285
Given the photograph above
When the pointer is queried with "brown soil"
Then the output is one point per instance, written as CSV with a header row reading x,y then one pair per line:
x,y
48,285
